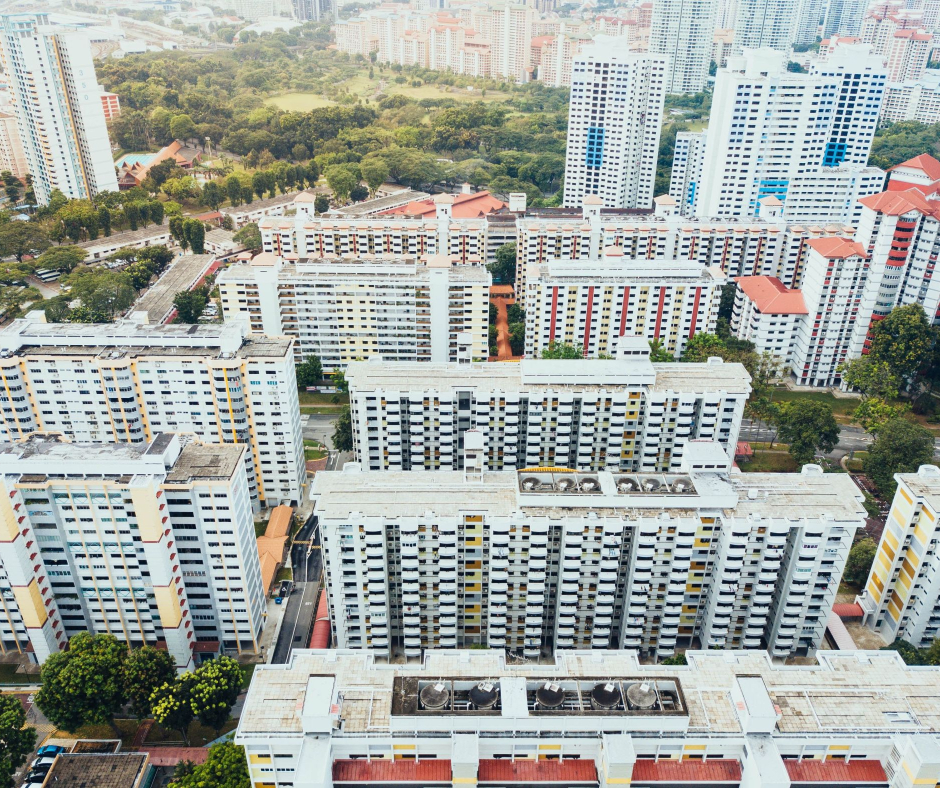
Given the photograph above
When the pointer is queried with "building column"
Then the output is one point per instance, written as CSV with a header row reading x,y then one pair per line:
x,y
617,756
465,759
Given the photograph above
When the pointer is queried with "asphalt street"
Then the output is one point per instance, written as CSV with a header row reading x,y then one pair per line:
x,y
301,608
850,438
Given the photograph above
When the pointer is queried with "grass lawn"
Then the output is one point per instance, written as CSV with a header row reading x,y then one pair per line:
x,y
770,462
247,673
126,728
321,410
284,573
314,450
365,87
260,528
320,398
840,407
199,735
8,675
299,102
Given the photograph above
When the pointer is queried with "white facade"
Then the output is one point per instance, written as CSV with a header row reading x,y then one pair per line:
x,y
688,162
588,415
126,382
917,100
768,314
151,542
683,30
832,194
591,304
765,24
398,309
57,101
614,123
768,126
12,155
809,17
519,560
844,17
839,721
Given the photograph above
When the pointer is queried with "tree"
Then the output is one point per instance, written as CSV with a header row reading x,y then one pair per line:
x,y
562,350
226,767
309,372
701,347
101,290
83,685
341,180
808,427
873,413
215,691
901,447
903,341
195,233
374,173
676,659
658,355
212,195
22,238
858,564
342,433
182,127
233,188
61,258
249,236
321,203
504,269
190,304
16,740
358,193
144,670
171,704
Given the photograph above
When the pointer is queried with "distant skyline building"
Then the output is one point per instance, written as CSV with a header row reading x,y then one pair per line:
x,y
765,23
614,124
58,106
844,17
683,30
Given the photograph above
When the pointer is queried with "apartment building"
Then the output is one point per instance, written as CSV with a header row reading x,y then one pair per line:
x,y
917,100
591,719
614,121
683,30
343,309
831,195
901,598
769,314
592,304
686,172
152,542
768,126
57,101
625,413
549,558
844,17
125,382
764,24
12,155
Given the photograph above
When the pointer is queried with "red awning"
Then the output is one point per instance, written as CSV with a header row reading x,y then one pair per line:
x,y
206,646
716,770
385,771
857,772
848,610
569,772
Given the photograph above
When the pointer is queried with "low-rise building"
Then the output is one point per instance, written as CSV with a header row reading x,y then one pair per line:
x,y
549,558
592,304
154,235
257,210
185,273
584,718
769,314
125,382
917,100
623,414
103,770
151,542
394,308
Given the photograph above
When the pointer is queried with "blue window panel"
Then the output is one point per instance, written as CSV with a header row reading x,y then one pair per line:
x,y
594,151
834,154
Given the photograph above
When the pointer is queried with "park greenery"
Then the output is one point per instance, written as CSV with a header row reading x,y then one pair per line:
x,y
226,767
858,564
16,739
206,694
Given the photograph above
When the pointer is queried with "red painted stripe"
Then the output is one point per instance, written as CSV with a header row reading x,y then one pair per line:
x,y
698,295
587,321
659,311
623,311
551,331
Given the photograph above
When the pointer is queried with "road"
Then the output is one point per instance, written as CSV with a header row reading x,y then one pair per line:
x,y
307,566
850,438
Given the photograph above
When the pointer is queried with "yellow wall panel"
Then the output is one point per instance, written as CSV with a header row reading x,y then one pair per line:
x,y
29,601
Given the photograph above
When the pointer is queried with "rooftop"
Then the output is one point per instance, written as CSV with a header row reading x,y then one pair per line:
x,y
925,485
835,248
613,268
182,274
464,206
858,692
896,203
378,205
259,205
129,238
375,267
200,461
771,296
118,770
925,163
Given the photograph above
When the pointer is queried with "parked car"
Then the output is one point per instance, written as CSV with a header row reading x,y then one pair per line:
x,y
42,760
50,749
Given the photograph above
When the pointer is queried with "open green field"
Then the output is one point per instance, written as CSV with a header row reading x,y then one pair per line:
x,y
770,462
363,86
299,102
840,406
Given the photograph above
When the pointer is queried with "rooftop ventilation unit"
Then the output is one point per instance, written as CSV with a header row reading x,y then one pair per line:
x,y
627,484
606,696
484,695
683,484
531,483
649,484
590,484
641,696
550,696
434,696
565,484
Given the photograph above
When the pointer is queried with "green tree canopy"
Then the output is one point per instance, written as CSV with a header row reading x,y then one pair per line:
x,y
342,432
901,447
903,340
658,355
190,304
85,684
374,173
226,767
701,347
218,683
309,372
144,670
808,426
22,238
249,236
562,350
61,258
341,180
16,740
172,704
858,564
101,290
504,269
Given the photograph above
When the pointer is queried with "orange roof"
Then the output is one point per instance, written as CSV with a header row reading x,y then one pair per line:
x,y
715,770
434,770
834,248
925,162
271,545
847,772
540,41
894,203
466,206
771,296
848,610
504,770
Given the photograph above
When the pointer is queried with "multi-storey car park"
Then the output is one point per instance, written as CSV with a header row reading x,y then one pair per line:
x,y
125,382
152,542
623,414
345,309
550,558
591,720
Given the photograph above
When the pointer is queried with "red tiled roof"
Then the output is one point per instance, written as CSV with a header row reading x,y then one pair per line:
x,y
848,610
466,206
834,248
894,203
717,770
363,771
206,646
503,770
848,772
771,296
925,162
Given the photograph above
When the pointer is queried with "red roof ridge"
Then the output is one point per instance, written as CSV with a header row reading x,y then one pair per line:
x,y
859,770
925,162
771,296
836,248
